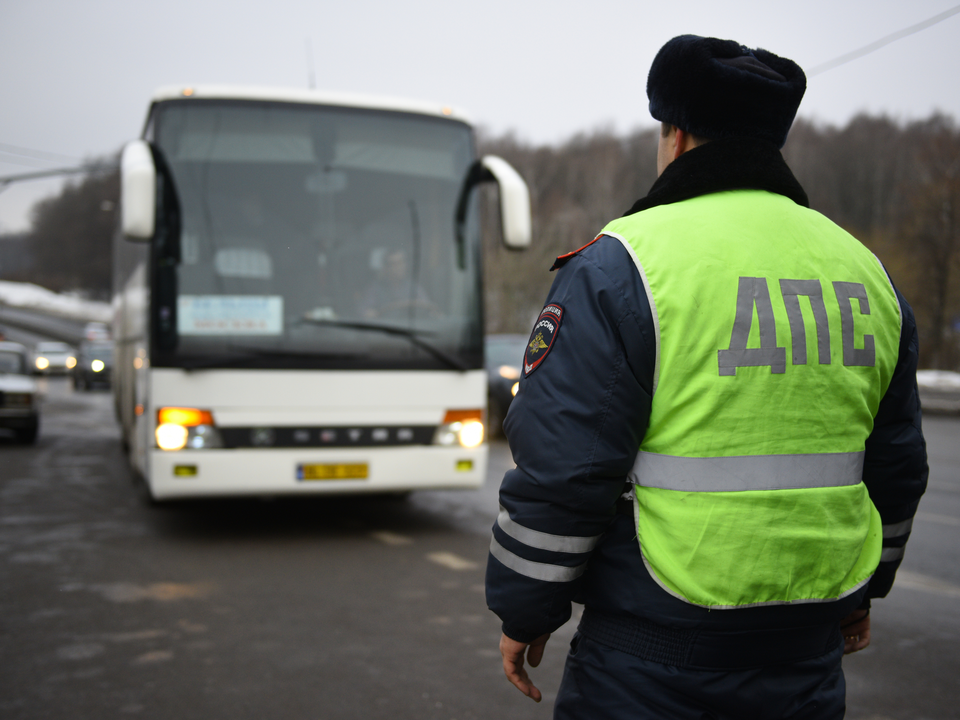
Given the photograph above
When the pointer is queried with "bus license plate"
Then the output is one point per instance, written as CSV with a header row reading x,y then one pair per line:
x,y
333,471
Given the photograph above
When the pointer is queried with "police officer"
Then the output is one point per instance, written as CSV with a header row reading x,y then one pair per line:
x,y
717,433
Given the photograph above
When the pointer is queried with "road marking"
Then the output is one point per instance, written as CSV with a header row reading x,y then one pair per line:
x,y
390,538
154,656
934,517
136,635
449,560
925,583
165,592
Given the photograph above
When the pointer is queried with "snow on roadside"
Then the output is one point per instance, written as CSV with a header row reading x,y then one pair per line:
x,y
34,297
938,380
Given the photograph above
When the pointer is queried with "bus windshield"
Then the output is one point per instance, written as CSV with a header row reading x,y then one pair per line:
x,y
315,236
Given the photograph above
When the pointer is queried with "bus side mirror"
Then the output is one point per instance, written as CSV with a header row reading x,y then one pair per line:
x,y
138,191
514,202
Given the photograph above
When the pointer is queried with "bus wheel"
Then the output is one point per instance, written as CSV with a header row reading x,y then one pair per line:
x,y
143,491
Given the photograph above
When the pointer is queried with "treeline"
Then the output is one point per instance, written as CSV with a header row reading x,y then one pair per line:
x,y
69,245
894,186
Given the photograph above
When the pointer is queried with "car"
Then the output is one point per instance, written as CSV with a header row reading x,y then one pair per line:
x,y
19,400
96,331
94,365
53,357
503,357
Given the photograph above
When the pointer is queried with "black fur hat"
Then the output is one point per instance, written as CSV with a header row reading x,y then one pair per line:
x,y
719,88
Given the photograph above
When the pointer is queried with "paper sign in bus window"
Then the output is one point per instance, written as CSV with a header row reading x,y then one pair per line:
x,y
230,314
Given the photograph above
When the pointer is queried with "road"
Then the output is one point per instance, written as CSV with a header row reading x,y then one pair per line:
x,y
337,608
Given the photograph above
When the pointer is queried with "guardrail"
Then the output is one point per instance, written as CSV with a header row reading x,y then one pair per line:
x,y
57,328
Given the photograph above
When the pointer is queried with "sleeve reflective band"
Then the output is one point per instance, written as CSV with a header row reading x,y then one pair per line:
x,y
544,541
891,554
898,529
535,570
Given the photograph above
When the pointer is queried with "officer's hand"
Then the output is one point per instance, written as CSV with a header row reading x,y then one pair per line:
x,y
856,631
512,652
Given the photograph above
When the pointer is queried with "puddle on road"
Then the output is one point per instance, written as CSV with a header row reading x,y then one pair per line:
x,y
925,583
391,538
135,635
83,651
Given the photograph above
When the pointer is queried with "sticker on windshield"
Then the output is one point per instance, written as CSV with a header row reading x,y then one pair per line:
x,y
541,339
230,314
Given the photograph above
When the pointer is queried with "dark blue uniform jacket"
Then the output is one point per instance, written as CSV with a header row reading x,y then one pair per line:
x,y
580,415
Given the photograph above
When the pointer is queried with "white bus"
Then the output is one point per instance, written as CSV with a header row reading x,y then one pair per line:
x,y
298,297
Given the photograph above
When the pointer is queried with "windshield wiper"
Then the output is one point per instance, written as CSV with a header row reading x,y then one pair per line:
x,y
411,335
243,355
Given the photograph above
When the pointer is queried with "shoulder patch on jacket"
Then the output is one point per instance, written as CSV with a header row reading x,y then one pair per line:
x,y
542,338
564,259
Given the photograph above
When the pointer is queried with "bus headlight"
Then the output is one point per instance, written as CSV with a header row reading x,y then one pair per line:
x,y
203,437
471,433
179,428
460,427
171,436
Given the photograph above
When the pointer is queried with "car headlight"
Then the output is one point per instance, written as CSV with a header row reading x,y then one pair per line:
x,y
509,372
18,400
42,363
179,428
71,362
515,389
460,427
97,365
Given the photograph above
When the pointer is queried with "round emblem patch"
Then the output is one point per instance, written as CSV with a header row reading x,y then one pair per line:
x,y
542,338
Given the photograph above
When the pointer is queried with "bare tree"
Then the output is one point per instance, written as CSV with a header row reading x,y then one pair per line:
x,y
930,230
70,236
575,189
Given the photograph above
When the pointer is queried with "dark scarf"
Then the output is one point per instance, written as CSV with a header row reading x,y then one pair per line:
x,y
725,164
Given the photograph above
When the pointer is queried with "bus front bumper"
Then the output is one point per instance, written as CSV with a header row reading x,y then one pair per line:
x,y
256,471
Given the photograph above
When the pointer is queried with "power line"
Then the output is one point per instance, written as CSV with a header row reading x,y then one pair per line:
x,y
36,154
867,49
88,170
23,160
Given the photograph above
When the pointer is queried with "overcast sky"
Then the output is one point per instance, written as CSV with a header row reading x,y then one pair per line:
x,y
76,77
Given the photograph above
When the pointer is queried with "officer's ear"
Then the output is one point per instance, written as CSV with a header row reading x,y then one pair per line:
x,y
681,142
667,148
674,142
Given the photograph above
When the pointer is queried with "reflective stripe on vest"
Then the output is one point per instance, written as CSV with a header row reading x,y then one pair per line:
x,y
776,337
748,472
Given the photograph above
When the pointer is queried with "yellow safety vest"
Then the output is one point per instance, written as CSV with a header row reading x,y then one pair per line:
x,y
777,336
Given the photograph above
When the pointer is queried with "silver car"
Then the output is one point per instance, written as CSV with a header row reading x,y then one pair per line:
x,y
53,357
19,401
